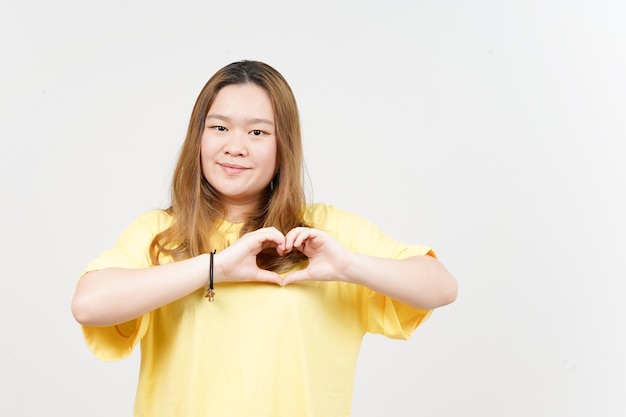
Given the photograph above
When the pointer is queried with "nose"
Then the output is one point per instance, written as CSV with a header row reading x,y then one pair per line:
x,y
236,144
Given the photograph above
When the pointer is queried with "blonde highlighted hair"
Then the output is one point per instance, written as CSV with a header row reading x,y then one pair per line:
x,y
198,208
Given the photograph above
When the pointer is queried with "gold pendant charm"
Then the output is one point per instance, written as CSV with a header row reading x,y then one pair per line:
x,y
210,295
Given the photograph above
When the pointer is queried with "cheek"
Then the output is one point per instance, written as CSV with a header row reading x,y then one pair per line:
x,y
270,156
206,151
206,146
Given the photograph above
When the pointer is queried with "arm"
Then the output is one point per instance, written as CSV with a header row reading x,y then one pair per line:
x,y
116,295
418,281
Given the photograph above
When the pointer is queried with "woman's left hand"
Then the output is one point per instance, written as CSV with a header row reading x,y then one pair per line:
x,y
328,259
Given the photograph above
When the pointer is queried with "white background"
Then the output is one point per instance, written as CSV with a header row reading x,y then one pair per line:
x,y
490,130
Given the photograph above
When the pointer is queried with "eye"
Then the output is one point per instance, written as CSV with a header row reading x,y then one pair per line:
x,y
257,132
218,128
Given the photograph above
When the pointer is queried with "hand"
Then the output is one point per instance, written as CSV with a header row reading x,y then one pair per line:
x,y
328,259
237,263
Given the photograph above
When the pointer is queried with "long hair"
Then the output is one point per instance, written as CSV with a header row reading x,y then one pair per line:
x,y
198,208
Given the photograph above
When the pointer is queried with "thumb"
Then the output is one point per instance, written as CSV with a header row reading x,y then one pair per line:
x,y
268,276
296,276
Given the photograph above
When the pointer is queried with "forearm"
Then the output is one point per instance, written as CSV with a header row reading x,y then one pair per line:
x,y
419,281
115,295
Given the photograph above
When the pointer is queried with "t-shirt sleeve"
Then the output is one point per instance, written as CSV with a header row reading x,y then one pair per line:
x,y
130,251
385,315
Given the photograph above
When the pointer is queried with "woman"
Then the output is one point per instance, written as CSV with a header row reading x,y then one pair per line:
x,y
295,286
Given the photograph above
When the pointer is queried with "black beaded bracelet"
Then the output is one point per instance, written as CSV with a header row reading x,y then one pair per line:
x,y
210,294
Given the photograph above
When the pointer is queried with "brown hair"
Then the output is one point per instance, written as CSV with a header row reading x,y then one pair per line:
x,y
197,207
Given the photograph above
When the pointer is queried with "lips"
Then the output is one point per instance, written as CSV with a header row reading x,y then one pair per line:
x,y
232,169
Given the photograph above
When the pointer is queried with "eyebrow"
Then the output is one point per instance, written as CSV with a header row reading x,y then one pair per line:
x,y
253,120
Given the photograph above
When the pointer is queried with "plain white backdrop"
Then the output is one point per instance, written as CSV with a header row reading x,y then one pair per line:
x,y
489,130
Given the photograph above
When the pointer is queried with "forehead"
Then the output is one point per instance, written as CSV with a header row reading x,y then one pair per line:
x,y
244,100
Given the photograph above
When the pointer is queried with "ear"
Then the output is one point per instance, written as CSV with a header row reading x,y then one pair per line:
x,y
274,181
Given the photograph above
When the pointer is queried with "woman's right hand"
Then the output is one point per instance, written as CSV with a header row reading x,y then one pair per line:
x,y
237,263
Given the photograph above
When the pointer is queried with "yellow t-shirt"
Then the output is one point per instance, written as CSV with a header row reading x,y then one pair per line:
x,y
259,349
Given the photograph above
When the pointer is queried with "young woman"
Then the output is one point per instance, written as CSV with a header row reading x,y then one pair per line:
x,y
293,287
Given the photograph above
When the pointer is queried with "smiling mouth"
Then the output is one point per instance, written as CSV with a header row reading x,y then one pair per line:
x,y
232,169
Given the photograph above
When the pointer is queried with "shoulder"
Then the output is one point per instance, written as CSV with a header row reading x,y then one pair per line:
x,y
131,249
157,217
359,234
321,215
328,217
151,222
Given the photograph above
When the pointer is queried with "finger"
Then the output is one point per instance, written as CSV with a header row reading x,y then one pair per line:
x,y
296,237
272,233
268,237
282,250
276,241
289,237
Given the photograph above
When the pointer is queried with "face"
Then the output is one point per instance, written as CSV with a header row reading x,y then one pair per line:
x,y
238,149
